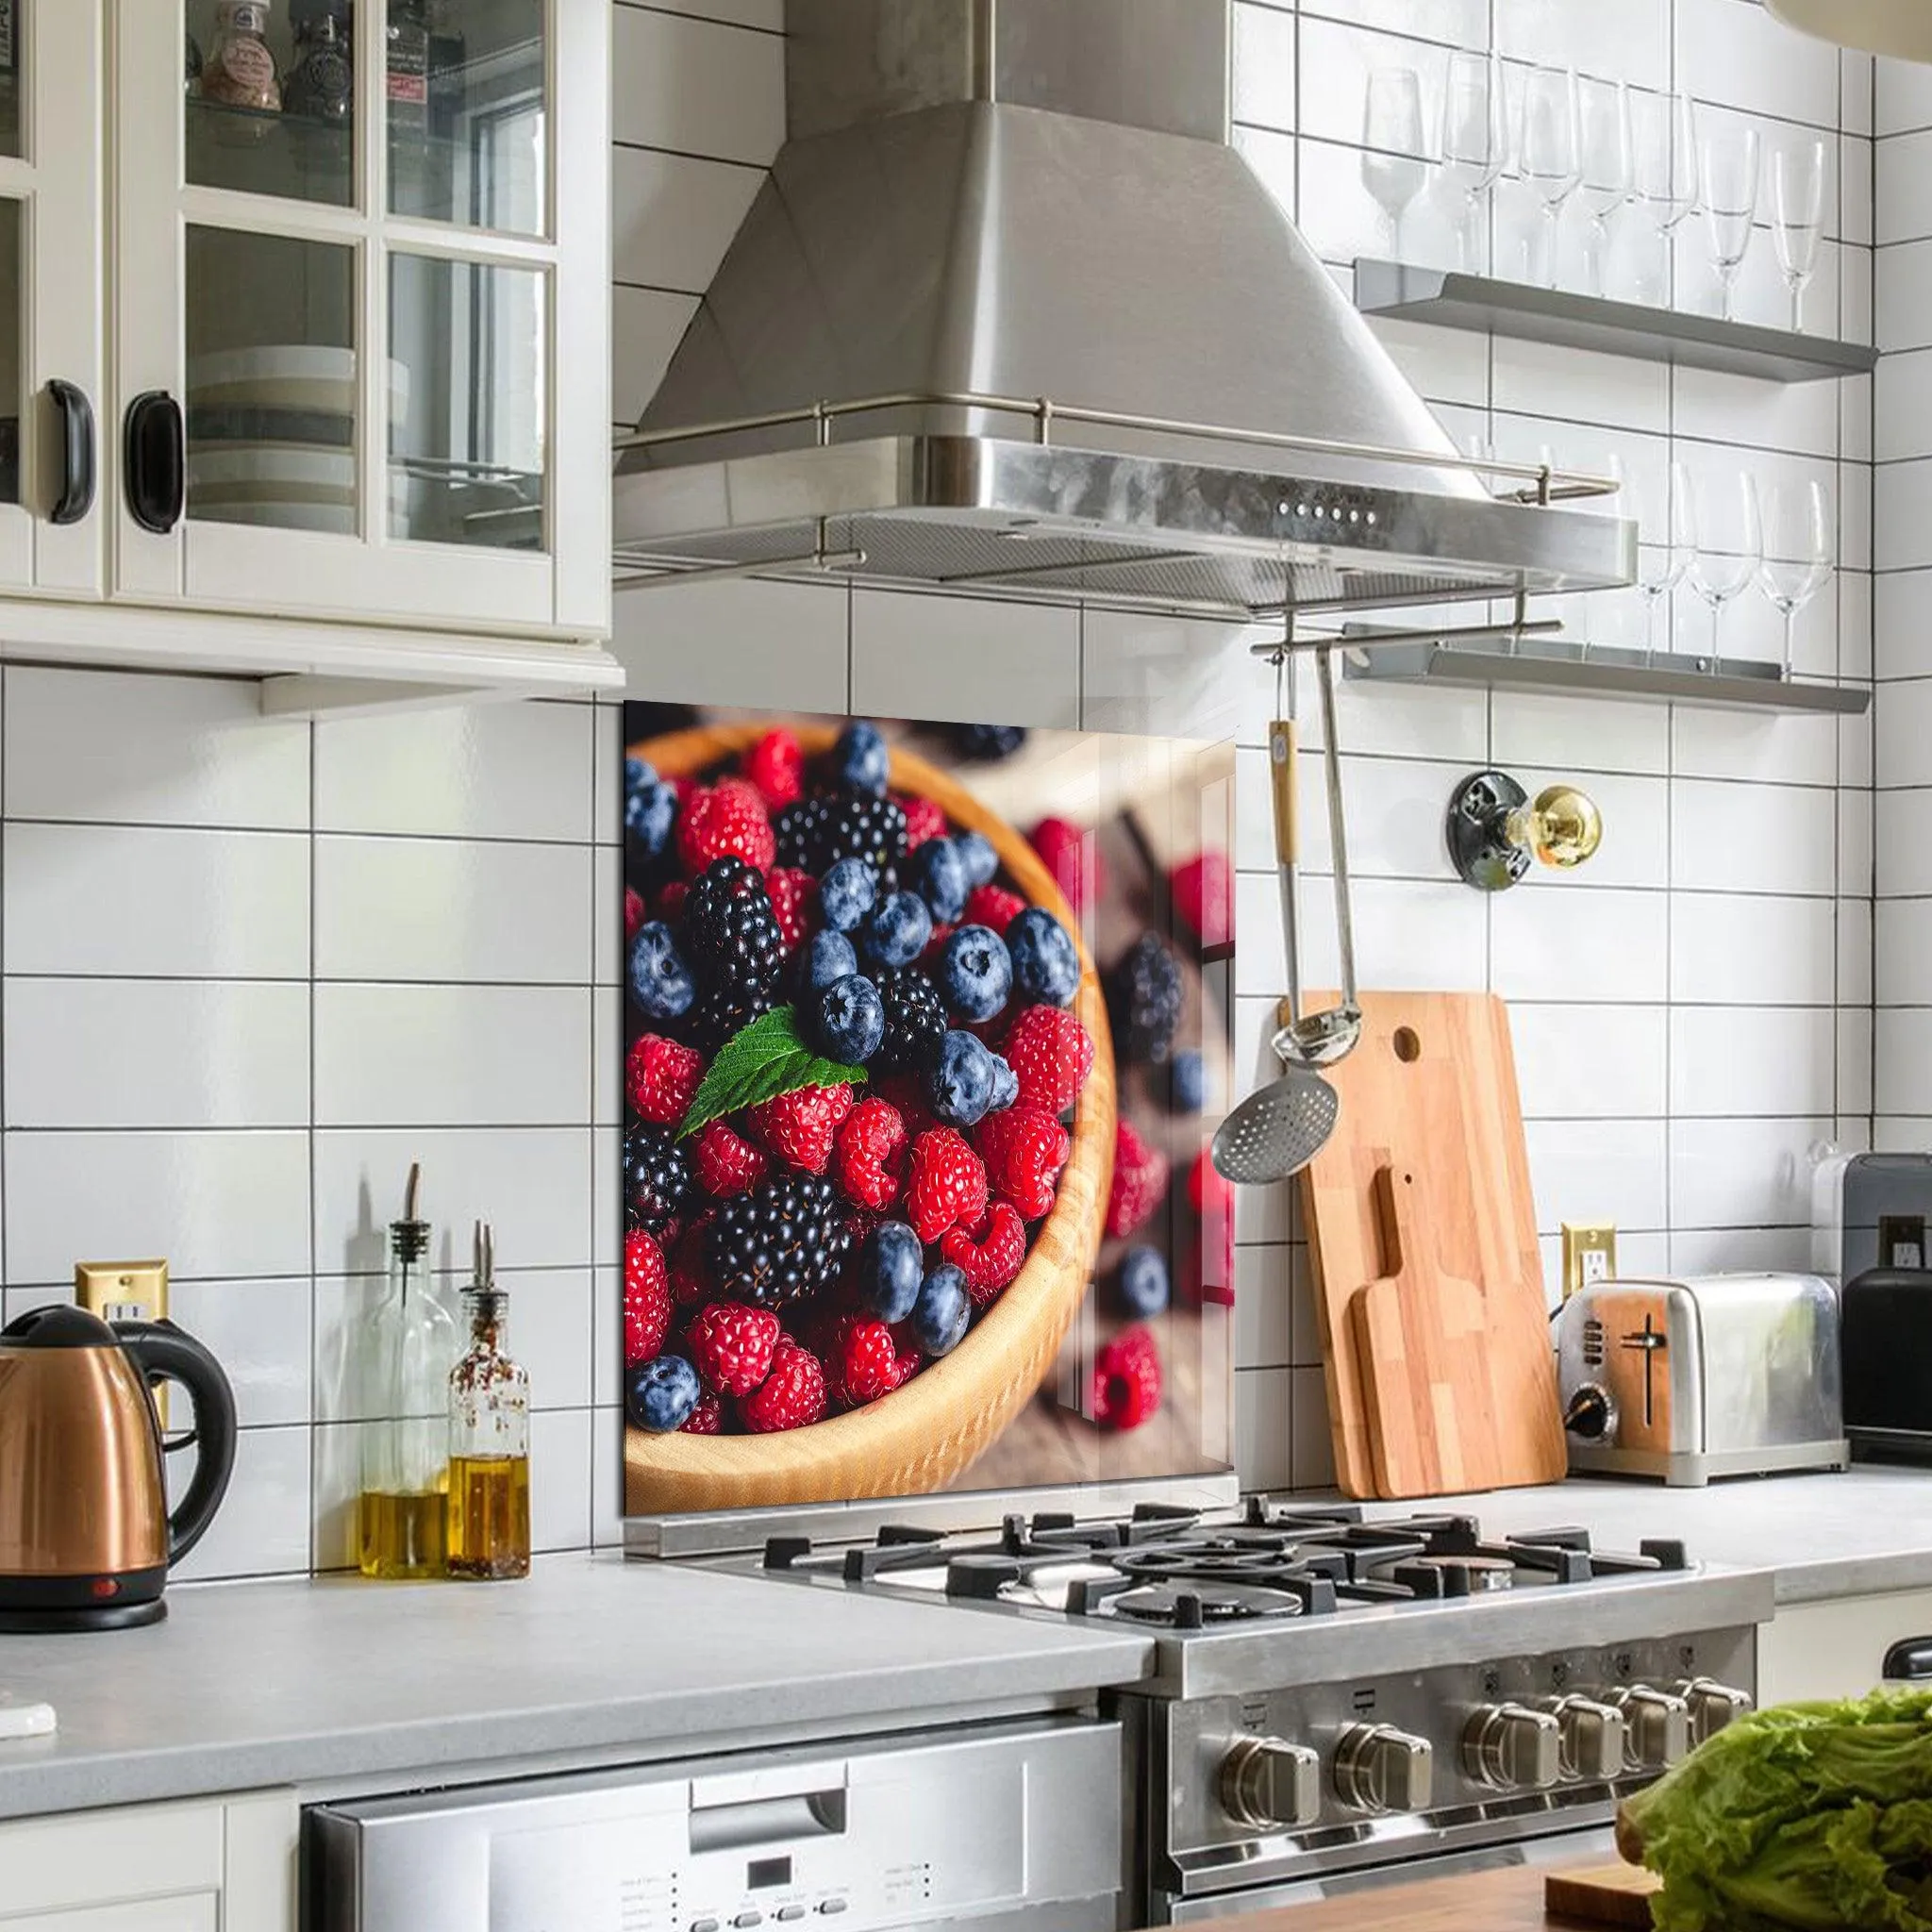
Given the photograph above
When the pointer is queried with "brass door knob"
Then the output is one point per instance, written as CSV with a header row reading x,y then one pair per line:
x,y
1494,830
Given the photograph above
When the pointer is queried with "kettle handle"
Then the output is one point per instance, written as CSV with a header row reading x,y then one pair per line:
x,y
164,1352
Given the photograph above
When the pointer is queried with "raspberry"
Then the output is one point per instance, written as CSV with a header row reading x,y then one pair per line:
x,y
726,1164
924,821
993,906
799,1127
792,1396
1126,1380
791,892
1024,1149
1074,860
706,1419
871,1145
867,1366
1140,1181
633,912
945,1184
776,766
1202,889
1209,1190
726,820
991,1255
661,1079
646,1298
732,1346
671,902
1051,1056
1210,1267
691,1280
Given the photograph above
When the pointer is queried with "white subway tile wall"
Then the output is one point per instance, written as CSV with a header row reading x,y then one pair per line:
x,y
253,970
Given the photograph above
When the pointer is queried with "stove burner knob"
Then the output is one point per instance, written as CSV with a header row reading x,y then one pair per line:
x,y
1268,1784
1378,1768
1511,1748
1592,1735
1656,1728
1713,1705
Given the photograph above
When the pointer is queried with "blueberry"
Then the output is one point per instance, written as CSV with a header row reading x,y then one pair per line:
x,y
896,930
1006,1085
849,1020
959,1084
1187,1073
943,1310
637,774
660,982
988,740
976,854
846,893
860,756
1044,961
891,1267
976,972
660,1396
939,877
826,960
1144,1283
649,805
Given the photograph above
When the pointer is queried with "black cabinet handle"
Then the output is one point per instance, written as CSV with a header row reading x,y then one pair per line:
x,y
156,461
1909,1661
76,414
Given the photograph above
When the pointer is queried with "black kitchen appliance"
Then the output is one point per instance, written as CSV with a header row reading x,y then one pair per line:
x,y
1885,1332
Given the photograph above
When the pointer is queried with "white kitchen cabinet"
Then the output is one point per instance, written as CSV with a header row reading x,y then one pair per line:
x,y
213,1865
1836,1649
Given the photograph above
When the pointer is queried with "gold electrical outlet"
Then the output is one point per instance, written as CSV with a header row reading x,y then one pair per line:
x,y
125,1291
1590,1254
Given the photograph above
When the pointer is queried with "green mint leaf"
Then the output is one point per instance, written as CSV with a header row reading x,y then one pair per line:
x,y
758,1063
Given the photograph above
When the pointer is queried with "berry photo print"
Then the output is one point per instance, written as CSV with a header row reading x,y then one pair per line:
x,y
926,1030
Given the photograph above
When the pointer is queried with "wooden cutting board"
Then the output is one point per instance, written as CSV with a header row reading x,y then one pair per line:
x,y
1434,1075
1603,1895
1421,1337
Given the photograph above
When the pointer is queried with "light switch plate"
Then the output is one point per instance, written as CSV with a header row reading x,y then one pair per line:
x,y
1590,1254
125,1291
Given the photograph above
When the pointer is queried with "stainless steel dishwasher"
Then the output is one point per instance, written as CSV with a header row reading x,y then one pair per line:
x,y
1014,1825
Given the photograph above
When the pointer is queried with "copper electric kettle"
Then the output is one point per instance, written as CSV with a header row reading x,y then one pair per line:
x,y
86,1537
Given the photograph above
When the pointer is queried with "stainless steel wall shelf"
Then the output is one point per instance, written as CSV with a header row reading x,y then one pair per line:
x,y
1605,671
1453,300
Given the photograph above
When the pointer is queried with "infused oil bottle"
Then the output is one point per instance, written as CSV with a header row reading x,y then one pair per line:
x,y
489,1438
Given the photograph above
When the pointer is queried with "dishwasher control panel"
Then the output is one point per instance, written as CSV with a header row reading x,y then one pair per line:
x,y
1009,1822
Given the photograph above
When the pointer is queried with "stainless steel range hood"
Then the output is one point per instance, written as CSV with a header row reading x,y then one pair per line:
x,y
1010,316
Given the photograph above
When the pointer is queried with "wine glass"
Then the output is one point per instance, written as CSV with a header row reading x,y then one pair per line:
x,y
1797,550
1730,545
1552,157
1475,143
1392,169
1663,159
1661,567
1797,205
1730,167
1604,140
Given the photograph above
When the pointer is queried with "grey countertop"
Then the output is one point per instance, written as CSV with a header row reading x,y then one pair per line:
x,y
249,1686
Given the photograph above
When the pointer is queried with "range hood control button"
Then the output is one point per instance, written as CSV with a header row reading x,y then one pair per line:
x,y
1378,1768
1713,1705
1511,1748
1269,1784
1592,1738
1656,1728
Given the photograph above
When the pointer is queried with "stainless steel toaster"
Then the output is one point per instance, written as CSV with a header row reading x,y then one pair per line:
x,y
1712,1375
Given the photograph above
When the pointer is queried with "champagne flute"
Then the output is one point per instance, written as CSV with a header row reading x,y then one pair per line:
x,y
1392,169
1797,203
1730,546
1663,156
1552,158
1797,551
1474,142
1730,168
1604,140
1661,567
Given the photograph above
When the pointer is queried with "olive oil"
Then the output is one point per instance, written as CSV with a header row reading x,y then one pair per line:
x,y
489,1516
402,1534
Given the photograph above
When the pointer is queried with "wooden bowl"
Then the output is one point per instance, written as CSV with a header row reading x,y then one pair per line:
x,y
919,1438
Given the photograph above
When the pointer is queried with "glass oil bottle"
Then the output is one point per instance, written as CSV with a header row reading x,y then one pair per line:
x,y
400,1517
489,1436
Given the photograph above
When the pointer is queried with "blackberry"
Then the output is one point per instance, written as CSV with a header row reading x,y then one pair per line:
x,y
818,831
720,1012
784,1240
731,931
657,1178
1144,999
915,1019
988,740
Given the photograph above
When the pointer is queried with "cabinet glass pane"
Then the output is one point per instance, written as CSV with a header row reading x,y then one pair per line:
x,y
270,98
12,308
13,73
467,446
467,133
271,384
